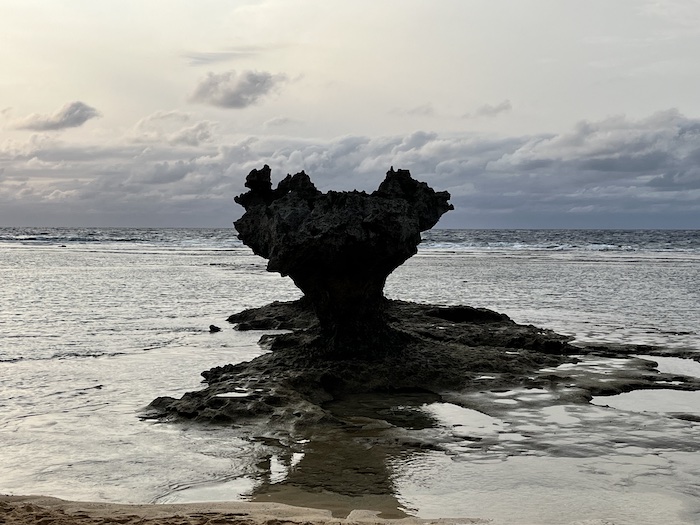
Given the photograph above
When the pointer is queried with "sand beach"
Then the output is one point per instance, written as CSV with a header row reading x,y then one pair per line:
x,y
21,510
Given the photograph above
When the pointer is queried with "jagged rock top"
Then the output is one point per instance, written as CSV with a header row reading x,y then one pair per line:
x,y
296,225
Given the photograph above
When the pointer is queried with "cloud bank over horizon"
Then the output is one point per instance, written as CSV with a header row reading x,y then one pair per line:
x,y
171,170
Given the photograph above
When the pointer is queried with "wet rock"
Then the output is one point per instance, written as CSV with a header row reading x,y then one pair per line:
x,y
213,329
294,382
276,316
345,338
339,247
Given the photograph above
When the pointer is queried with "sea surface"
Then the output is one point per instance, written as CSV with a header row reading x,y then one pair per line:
x,y
96,323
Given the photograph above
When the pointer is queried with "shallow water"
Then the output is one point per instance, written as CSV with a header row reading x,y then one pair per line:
x,y
96,324
605,298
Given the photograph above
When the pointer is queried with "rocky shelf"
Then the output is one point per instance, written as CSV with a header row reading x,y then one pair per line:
x,y
346,339
437,351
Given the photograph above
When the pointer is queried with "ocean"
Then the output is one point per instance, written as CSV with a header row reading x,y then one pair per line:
x,y
96,323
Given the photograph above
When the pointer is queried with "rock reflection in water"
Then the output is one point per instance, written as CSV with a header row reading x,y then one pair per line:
x,y
471,454
490,451
348,467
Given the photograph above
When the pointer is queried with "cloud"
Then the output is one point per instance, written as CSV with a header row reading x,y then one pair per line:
x,y
615,172
162,116
279,122
487,110
234,90
205,58
213,57
663,141
167,126
155,126
162,172
71,115
424,110
195,135
684,13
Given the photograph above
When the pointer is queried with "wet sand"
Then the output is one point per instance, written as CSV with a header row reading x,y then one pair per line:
x,y
16,510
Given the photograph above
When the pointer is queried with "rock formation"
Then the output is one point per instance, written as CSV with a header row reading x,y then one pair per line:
x,y
339,247
347,340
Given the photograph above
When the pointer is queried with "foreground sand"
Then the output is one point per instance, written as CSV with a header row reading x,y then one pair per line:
x,y
42,510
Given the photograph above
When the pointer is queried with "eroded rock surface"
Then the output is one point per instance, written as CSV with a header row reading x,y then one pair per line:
x,y
444,350
339,247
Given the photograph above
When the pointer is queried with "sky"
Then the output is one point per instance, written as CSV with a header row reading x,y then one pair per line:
x,y
531,113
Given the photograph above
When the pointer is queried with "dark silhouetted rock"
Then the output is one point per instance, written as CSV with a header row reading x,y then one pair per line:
x,y
339,247
213,328
447,351
345,339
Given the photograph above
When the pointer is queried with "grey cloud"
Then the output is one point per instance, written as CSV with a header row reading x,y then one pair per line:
x,y
424,110
155,127
279,122
71,115
236,90
607,173
622,163
488,110
204,58
616,166
166,126
162,116
195,135
162,172
678,181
